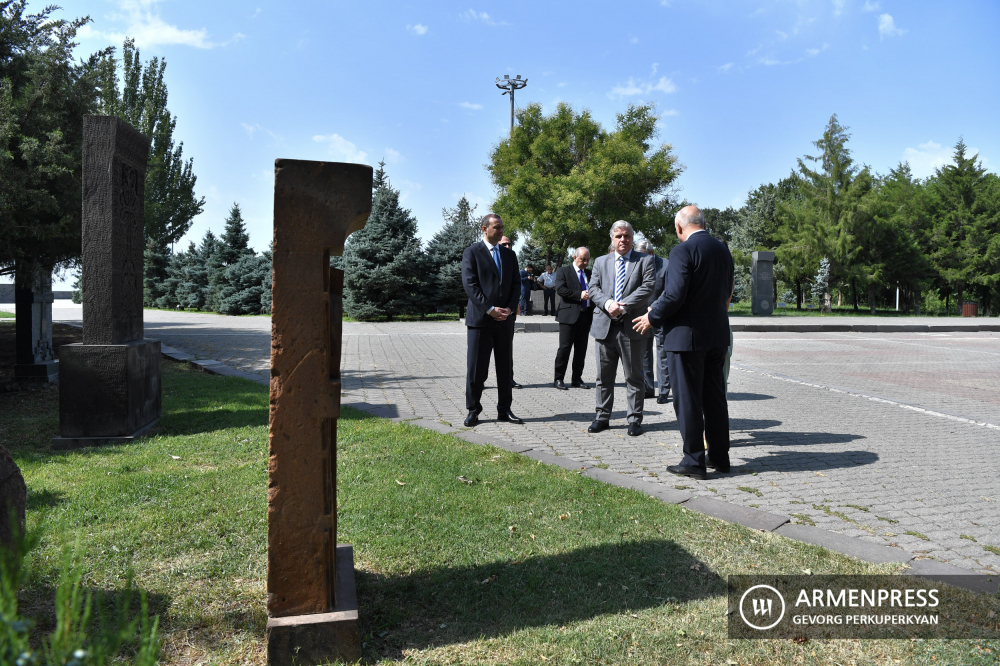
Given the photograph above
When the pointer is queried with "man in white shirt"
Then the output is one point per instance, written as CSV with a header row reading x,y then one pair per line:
x,y
548,282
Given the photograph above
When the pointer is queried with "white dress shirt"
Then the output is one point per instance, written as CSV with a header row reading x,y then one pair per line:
x,y
611,301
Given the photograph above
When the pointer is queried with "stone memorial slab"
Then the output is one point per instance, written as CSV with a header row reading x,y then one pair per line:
x,y
110,385
762,283
35,357
311,606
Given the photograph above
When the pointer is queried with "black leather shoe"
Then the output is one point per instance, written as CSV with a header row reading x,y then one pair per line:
x,y
561,385
509,418
717,468
472,419
579,385
634,429
598,426
514,384
693,472
662,399
649,395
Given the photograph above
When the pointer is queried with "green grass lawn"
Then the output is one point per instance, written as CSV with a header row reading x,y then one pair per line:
x,y
6,315
527,564
743,310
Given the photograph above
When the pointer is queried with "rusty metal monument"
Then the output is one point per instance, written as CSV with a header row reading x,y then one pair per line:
x,y
109,385
311,601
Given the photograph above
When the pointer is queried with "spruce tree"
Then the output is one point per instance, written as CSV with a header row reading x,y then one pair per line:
x,y
232,246
155,258
243,287
444,255
196,290
384,266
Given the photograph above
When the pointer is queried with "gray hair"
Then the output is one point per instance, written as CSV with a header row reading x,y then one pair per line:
x,y
485,221
620,224
686,218
644,246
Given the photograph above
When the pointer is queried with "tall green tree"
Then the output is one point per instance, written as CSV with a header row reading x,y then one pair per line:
x,y
384,266
233,245
444,255
141,100
44,94
564,180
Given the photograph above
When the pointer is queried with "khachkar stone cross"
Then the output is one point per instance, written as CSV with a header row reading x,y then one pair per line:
x,y
109,386
311,602
35,358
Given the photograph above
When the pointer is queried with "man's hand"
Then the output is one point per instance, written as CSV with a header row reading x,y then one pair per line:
x,y
642,323
500,314
585,295
616,310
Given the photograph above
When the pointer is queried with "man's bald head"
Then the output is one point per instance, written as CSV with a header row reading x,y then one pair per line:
x,y
688,216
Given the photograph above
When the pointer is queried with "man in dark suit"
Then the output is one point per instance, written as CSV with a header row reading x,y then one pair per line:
x,y
656,358
492,282
505,242
575,314
693,313
620,287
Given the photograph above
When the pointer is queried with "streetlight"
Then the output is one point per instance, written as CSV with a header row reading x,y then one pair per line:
x,y
509,85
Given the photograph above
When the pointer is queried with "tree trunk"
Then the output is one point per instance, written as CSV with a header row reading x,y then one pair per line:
x,y
461,312
840,296
798,294
827,300
947,304
916,302
854,292
871,298
774,294
960,299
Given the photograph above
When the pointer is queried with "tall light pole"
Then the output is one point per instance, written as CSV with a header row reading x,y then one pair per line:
x,y
509,85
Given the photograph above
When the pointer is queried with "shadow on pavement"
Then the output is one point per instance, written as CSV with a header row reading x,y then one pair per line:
x,y
812,461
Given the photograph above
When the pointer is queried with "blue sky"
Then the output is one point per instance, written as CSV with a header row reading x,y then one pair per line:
x,y
742,87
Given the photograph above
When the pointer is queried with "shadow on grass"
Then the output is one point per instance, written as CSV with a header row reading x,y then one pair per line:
x,y
445,605
38,603
45,499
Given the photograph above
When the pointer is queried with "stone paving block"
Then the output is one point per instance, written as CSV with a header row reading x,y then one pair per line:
x,y
752,518
869,552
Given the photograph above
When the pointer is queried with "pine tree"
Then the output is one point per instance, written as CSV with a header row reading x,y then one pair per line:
x,y
156,258
233,245
444,255
196,290
821,285
384,267
243,286
175,275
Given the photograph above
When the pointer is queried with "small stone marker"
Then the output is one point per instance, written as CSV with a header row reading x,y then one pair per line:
x,y
109,386
311,601
13,498
35,357
762,283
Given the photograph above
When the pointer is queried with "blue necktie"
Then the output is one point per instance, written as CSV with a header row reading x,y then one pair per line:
x,y
496,259
620,279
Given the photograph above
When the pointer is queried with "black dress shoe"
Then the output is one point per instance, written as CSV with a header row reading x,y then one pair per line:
x,y
472,419
634,429
579,385
514,384
693,472
561,385
598,426
649,394
662,399
509,418
720,469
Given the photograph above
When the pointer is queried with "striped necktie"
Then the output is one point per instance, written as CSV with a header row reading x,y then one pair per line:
x,y
620,279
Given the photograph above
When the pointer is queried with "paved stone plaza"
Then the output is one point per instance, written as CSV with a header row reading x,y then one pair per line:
x,y
890,437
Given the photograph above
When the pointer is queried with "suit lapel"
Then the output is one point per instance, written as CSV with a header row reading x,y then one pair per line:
x,y
633,261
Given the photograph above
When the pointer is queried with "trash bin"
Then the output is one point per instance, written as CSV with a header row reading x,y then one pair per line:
x,y
970,309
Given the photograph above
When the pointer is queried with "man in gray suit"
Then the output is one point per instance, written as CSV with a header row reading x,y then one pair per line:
x,y
657,358
621,287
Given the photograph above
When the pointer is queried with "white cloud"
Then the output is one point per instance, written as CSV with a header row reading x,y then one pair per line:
x,y
256,13
418,29
838,6
482,17
470,105
634,87
927,157
561,84
145,25
768,60
725,68
252,129
816,52
671,112
781,35
633,40
870,6
342,148
656,67
392,156
887,27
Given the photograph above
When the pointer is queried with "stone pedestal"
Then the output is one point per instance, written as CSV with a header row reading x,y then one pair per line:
x,y
35,358
762,283
110,385
313,616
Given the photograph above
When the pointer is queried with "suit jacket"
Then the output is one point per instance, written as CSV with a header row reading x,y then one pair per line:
x,y
660,265
692,309
568,287
479,277
636,295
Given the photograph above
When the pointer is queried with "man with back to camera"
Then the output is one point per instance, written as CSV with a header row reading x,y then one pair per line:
x,y
693,313
491,280
620,287
575,315
656,358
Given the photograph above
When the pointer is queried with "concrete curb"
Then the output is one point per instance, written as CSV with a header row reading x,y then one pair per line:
x,y
748,517
813,327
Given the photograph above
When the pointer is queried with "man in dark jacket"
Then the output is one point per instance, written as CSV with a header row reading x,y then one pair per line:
x,y
575,314
491,280
693,313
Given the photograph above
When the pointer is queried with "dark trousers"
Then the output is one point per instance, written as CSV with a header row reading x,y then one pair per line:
x,y
549,295
525,302
656,358
574,337
483,342
700,405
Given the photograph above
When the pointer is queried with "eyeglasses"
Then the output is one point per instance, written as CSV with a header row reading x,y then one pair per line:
x,y
506,245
